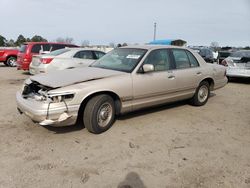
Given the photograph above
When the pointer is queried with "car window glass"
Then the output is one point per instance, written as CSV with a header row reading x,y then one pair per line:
x,y
160,60
181,59
46,47
84,55
192,59
99,54
36,48
57,46
23,48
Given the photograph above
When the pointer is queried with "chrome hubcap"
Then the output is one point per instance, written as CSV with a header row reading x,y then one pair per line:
x,y
104,114
12,62
203,93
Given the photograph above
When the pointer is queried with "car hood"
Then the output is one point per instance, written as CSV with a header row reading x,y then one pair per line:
x,y
68,77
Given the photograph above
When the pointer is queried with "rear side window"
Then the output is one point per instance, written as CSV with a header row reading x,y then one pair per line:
x,y
36,48
59,52
84,55
99,54
46,47
23,48
181,59
57,46
193,61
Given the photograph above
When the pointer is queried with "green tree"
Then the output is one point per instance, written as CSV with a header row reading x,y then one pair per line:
x,y
11,43
38,38
20,40
2,41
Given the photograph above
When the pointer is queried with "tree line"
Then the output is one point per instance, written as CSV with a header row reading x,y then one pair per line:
x,y
20,40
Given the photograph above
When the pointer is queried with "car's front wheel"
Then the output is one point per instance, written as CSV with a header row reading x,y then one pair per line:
x,y
201,95
99,114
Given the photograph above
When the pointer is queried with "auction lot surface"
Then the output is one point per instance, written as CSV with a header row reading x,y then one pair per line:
x,y
177,145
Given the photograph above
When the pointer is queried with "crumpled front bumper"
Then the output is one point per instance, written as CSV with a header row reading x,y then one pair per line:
x,y
39,111
236,72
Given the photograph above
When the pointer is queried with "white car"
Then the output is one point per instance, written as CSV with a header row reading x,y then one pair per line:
x,y
66,58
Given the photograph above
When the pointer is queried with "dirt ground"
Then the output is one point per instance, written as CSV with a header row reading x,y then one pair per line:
x,y
174,146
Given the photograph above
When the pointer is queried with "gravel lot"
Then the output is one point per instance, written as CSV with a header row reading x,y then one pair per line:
x,y
177,145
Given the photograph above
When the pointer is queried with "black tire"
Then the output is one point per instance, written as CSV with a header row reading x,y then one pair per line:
x,y
100,107
11,61
200,97
6,64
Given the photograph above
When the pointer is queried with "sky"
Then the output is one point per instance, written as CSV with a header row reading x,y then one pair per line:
x,y
199,22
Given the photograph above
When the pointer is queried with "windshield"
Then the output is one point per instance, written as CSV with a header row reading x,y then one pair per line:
x,y
23,48
241,54
121,59
58,52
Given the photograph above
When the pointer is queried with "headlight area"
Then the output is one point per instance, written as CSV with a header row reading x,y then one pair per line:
x,y
60,97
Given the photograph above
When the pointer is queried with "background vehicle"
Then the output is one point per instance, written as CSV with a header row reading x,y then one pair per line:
x,y
29,49
222,55
208,55
63,59
238,64
126,79
8,56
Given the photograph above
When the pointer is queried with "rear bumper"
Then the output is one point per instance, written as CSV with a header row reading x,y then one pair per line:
x,y
23,65
39,111
243,73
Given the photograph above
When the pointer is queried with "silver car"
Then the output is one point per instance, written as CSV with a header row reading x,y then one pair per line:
x,y
238,64
124,80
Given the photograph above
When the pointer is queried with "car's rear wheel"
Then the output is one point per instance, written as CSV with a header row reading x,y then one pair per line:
x,y
6,64
11,61
201,95
99,114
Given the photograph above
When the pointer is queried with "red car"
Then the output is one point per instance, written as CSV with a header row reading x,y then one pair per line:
x,y
29,49
8,56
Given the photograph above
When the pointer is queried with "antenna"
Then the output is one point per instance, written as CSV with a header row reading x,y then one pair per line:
x,y
154,30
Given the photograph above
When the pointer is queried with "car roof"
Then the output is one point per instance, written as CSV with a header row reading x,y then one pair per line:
x,y
25,43
78,49
153,47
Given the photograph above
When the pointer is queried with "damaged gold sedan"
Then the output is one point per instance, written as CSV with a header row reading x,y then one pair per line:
x,y
124,80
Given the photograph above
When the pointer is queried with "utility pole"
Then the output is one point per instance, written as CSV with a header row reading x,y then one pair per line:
x,y
154,30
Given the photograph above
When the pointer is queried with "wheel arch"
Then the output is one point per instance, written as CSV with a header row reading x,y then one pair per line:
x,y
210,82
115,97
10,55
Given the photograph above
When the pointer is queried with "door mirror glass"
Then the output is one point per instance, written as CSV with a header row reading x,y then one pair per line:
x,y
148,68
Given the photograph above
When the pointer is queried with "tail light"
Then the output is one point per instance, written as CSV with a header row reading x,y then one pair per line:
x,y
224,63
46,60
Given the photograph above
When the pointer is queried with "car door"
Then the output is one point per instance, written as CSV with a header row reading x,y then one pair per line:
x,y
187,71
154,87
83,58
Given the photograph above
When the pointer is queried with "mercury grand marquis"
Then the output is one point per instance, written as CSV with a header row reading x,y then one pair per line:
x,y
124,80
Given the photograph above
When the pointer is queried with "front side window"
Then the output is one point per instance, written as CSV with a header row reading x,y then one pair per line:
x,y
84,55
121,59
160,60
181,59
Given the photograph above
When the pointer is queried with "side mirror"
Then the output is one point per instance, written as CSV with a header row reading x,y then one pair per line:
x,y
148,68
